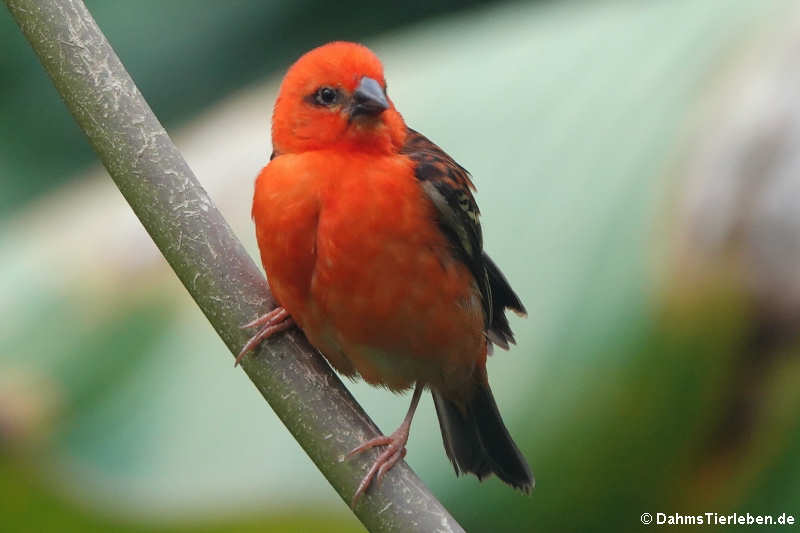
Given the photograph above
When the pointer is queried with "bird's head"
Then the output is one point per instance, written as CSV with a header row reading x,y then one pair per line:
x,y
335,97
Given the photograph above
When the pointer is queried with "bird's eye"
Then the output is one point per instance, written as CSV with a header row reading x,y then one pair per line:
x,y
326,96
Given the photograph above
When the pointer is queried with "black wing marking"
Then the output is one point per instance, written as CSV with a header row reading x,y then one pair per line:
x,y
449,187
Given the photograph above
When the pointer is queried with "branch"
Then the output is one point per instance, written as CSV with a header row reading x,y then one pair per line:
x,y
211,263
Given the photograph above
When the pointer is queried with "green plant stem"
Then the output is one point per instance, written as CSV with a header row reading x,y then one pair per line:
x,y
211,263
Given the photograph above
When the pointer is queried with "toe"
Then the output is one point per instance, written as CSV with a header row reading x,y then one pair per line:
x,y
377,441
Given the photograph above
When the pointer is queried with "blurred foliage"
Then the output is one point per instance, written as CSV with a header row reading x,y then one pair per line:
x,y
184,55
575,119
29,505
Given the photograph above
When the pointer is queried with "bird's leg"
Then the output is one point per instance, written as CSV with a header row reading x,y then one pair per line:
x,y
273,322
395,447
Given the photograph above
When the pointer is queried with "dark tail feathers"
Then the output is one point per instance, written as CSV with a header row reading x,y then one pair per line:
x,y
477,441
502,297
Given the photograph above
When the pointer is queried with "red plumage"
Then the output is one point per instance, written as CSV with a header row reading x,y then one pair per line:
x,y
370,238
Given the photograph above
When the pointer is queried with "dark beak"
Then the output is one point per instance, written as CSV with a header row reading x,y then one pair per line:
x,y
368,99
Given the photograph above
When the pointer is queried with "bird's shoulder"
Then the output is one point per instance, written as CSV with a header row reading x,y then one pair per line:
x,y
449,187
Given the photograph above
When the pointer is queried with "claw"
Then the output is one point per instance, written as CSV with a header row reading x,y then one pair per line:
x,y
265,318
273,322
385,467
395,449
377,441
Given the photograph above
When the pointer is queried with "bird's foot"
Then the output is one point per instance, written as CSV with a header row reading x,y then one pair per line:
x,y
273,322
395,450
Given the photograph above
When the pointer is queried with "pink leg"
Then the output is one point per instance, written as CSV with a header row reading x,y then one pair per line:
x,y
273,322
395,448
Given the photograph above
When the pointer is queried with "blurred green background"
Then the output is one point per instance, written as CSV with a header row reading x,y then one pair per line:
x,y
638,171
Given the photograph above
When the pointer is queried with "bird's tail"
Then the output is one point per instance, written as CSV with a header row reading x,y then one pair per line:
x,y
477,441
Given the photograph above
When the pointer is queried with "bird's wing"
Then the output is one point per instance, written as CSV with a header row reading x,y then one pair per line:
x,y
449,187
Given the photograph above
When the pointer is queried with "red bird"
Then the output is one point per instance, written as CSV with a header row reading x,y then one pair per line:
x,y
370,238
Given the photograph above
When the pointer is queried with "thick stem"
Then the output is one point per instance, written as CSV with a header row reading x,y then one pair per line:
x,y
209,260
